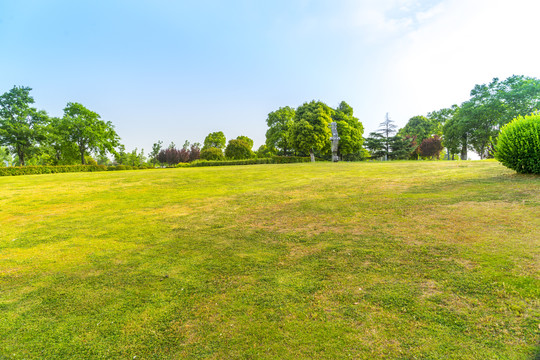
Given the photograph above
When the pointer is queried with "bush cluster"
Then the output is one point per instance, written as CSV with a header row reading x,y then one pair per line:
x,y
34,170
271,160
518,145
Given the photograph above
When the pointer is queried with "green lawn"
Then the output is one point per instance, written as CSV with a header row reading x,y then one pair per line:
x,y
402,260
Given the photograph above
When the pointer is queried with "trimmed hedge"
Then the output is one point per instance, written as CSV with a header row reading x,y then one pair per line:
x,y
272,160
518,145
34,170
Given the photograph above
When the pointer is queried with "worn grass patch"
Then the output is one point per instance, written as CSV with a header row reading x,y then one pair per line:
x,y
430,260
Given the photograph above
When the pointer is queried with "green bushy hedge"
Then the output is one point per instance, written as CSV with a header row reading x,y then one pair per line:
x,y
34,170
272,160
518,145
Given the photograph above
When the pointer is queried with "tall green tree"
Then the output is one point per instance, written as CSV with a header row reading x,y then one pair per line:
x,y
387,129
310,131
21,126
246,140
56,148
493,105
86,129
239,149
215,140
455,136
401,147
350,129
375,144
156,148
279,124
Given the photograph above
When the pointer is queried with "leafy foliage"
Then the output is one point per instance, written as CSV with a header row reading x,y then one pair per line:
x,y
265,151
431,147
21,126
279,125
171,156
310,131
350,129
85,128
215,140
518,147
476,125
402,147
212,153
239,149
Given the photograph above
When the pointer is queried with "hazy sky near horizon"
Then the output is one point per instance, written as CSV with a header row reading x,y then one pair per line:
x,y
178,70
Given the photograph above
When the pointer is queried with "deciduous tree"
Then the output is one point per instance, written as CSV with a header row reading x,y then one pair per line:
x,y
21,126
86,129
310,131
216,139
279,125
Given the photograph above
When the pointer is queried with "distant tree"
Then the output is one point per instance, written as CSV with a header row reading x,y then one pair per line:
x,y
350,130
102,159
86,129
310,131
431,147
246,140
387,129
5,157
265,152
170,156
419,128
136,159
375,144
56,149
184,155
212,153
156,148
195,152
21,126
216,140
490,107
120,155
279,125
401,147
238,149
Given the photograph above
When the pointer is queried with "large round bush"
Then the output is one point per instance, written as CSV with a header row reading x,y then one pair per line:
x,y
212,153
518,145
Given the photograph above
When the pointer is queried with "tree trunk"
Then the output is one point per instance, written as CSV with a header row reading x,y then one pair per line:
x,y
82,156
20,154
312,155
464,148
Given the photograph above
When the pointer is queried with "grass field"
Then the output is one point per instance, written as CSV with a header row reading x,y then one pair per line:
x,y
403,260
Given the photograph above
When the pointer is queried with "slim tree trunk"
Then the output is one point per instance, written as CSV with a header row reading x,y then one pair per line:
x,y
312,155
20,154
464,149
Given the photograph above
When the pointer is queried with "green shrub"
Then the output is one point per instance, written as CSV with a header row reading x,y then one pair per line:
x,y
239,149
518,145
33,170
270,160
212,153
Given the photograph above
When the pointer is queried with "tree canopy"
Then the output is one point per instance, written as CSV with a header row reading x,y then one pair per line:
x,y
215,140
279,125
86,129
21,126
310,131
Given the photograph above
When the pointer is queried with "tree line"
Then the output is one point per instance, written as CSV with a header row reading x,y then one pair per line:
x,y
474,125
30,134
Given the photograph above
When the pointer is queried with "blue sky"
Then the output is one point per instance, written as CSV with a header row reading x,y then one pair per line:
x,y
177,70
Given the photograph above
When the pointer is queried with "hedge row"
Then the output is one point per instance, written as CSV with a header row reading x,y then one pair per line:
x,y
272,160
32,170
